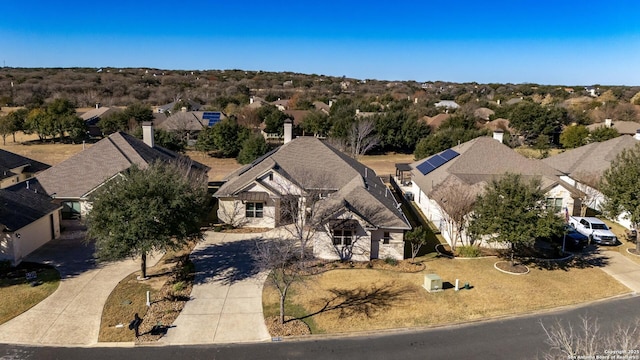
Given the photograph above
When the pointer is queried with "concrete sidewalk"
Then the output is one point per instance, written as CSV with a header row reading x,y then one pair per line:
x,y
72,314
226,304
626,271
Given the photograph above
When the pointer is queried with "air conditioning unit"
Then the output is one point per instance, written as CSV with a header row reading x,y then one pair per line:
x,y
432,283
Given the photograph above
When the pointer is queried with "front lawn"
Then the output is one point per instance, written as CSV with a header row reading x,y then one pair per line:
x,y
20,294
349,300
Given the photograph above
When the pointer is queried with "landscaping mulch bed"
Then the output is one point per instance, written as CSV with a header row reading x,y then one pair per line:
x,y
291,327
173,295
314,267
506,266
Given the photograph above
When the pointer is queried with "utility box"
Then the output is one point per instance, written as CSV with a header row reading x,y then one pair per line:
x,y
432,283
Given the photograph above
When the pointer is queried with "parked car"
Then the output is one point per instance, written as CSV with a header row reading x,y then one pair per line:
x,y
572,238
595,229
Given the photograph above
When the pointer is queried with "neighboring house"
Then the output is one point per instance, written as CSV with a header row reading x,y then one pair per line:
x,y
448,104
193,106
93,116
282,105
360,215
473,165
434,122
515,101
188,124
483,113
297,115
72,181
28,220
623,127
256,102
320,106
584,166
15,168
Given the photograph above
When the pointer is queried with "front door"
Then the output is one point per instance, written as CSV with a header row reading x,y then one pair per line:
x,y
375,249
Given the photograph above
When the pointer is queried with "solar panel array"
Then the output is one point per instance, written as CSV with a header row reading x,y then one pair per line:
x,y
436,161
211,117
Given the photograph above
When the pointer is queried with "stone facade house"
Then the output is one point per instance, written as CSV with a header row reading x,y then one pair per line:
x,y
308,183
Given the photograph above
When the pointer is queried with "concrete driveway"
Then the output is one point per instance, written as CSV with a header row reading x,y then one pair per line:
x,y
226,304
72,314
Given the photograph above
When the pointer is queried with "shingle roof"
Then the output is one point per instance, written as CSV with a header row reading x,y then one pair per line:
x,y
9,161
20,206
623,127
592,158
480,161
85,171
313,164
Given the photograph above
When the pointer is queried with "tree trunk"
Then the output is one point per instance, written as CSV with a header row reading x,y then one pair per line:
x,y
143,265
14,137
637,244
513,252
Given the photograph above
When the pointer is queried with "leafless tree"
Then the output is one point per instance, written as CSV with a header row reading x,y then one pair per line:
x,y
361,137
278,258
234,214
456,201
587,340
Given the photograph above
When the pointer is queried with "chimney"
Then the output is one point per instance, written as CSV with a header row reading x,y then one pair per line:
x,y
330,103
498,135
97,105
607,123
288,130
147,133
251,100
415,100
637,136
357,111
183,109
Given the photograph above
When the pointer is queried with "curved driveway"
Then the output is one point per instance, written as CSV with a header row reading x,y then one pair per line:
x,y
72,314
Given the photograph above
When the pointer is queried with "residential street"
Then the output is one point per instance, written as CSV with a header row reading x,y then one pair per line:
x,y
517,338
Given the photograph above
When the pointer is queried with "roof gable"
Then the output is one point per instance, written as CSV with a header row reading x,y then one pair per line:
x,y
23,204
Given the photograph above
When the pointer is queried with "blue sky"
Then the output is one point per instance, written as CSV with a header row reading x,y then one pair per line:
x,y
546,42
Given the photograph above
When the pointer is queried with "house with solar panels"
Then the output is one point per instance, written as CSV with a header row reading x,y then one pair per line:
x,y
188,124
473,165
349,212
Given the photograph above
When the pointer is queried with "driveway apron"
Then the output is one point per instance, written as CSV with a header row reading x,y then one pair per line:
x,y
226,300
72,314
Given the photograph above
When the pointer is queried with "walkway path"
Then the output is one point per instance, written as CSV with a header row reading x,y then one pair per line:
x,y
226,304
72,314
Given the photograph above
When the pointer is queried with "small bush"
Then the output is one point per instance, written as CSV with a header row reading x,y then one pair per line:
x,y
391,261
469,251
179,286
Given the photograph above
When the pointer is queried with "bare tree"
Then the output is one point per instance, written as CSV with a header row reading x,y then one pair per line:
x,y
233,214
278,258
456,201
361,137
588,340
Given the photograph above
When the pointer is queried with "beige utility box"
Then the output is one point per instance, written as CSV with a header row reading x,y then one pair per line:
x,y
432,283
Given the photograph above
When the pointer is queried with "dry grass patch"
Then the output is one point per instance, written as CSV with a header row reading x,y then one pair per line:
x,y
169,283
359,300
17,293
385,165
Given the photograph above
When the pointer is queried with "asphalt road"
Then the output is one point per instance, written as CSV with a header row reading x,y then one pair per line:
x,y
516,338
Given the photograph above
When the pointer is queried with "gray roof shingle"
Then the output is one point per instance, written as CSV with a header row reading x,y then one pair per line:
x,y
483,159
592,158
313,164
20,206
85,171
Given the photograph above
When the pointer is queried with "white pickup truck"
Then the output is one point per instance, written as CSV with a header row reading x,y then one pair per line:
x,y
595,229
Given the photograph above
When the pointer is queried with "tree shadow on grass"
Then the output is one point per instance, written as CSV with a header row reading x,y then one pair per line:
x,y
227,262
589,258
361,301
